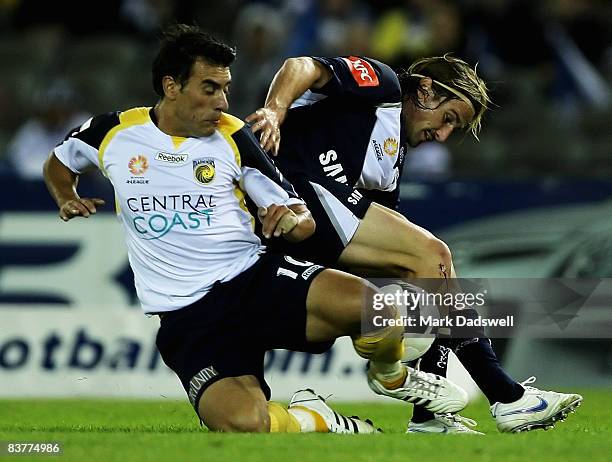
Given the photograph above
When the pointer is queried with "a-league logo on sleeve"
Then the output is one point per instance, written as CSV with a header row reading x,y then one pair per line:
x,y
362,71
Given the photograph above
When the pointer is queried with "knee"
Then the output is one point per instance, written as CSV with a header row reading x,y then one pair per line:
x,y
252,419
420,255
257,421
439,252
432,255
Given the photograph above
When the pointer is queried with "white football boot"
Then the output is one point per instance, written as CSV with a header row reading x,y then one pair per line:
x,y
445,423
336,423
536,409
437,394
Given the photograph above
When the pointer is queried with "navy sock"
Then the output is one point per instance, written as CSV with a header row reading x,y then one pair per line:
x,y
478,357
434,361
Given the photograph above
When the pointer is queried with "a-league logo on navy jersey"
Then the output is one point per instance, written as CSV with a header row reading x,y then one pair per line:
x,y
204,170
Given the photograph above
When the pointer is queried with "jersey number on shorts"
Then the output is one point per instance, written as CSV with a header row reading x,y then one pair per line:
x,y
293,261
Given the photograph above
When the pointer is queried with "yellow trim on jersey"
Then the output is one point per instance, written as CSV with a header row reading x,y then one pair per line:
x,y
117,206
228,125
239,193
127,119
177,141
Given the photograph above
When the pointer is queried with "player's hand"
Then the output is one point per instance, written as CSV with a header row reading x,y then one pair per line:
x,y
268,121
82,207
276,220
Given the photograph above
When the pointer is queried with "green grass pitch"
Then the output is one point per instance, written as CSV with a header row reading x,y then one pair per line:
x,y
130,430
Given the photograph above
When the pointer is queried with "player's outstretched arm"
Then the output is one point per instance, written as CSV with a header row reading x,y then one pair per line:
x,y
61,183
291,81
293,222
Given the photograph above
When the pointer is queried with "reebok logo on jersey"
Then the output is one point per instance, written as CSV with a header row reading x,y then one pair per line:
x,y
377,150
362,71
172,159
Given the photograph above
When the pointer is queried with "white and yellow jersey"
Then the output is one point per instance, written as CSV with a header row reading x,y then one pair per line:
x,y
181,200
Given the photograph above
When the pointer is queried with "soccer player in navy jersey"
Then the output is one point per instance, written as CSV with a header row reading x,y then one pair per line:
x,y
339,127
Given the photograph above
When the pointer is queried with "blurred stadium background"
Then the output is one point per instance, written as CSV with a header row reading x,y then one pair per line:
x,y
69,322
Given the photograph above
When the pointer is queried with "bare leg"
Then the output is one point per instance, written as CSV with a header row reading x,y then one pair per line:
x,y
341,304
235,404
388,244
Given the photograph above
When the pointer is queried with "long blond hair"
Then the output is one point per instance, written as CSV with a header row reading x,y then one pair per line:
x,y
455,79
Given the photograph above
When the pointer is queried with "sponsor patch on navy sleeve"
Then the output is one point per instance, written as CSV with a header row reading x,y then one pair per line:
x,y
362,71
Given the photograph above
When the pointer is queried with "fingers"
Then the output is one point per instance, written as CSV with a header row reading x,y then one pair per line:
x,y
73,209
257,120
79,207
64,215
261,213
286,224
279,213
267,122
271,143
266,216
265,135
254,117
259,125
89,205
271,218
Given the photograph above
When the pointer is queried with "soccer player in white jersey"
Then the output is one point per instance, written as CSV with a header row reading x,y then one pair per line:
x,y
345,124
181,171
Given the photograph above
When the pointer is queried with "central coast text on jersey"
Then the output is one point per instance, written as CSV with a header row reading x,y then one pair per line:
x,y
155,216
180,200
172,202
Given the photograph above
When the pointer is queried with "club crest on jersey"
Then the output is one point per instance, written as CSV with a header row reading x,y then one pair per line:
x,y
138,165
390,147
204,170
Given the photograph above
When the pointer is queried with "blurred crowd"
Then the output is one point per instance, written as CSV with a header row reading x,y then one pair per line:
x,y
548,63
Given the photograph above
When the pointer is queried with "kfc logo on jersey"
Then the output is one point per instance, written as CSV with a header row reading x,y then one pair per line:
x,y
362,71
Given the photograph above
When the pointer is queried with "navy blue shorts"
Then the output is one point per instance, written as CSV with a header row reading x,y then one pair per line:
x,y
229,330
337,210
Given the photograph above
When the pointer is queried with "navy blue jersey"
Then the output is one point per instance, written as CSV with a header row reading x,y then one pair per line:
x,y
349,130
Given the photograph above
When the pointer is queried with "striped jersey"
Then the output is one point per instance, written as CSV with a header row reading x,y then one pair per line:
x,y
181,201
350,130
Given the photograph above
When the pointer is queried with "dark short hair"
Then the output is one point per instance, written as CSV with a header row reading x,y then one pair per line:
x,y
180,46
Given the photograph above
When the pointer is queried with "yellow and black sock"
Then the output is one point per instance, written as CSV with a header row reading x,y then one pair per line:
x,y
282,421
